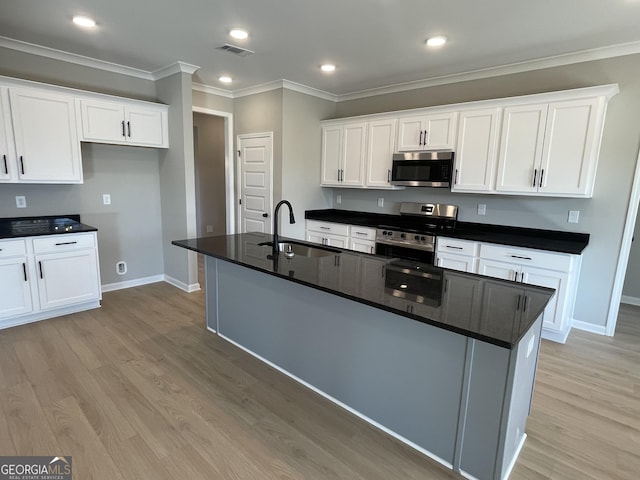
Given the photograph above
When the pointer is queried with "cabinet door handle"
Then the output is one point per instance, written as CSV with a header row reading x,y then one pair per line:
x,y
455,180
6,169
66,243
515,278
524,304
446,285
518,305
541,176
24,271
21,165
123,129
388,173
535,175
421,133
425,137
40,268
521,257
129,129
371,250
342,175
454,247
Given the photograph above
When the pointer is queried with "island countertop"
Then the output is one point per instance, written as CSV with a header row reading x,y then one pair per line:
x,y
496,311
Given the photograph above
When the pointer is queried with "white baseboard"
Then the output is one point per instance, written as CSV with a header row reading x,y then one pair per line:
x,y
589,327
630,300
194,287
46,314
109,287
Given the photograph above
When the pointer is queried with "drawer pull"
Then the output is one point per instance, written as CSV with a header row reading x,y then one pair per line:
x,y
24,271
361,233
456,248
66,243
325,228
521,257
40,267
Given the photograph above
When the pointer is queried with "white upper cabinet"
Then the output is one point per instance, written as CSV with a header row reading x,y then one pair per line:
x,y
476,151
45,133
343,154
427,132
551,149
8,171
380,149
125,123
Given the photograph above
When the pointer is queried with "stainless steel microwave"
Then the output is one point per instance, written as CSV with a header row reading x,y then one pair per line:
x,y
422,169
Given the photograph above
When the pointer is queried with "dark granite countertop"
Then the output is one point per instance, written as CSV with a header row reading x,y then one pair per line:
x,y
552,240
44,225
484,308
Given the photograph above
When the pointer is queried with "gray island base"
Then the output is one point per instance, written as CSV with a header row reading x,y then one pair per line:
x,y
442,360
459,400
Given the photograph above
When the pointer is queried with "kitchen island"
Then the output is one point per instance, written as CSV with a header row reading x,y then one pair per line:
x,y
443,360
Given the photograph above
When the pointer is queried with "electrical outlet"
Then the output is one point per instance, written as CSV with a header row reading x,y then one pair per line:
x,y
21,201
381,202
209,228
338,199
482,209
121,267
574,216
106,199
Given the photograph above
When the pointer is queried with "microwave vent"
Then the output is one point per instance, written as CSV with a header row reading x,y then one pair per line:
x,y
241,52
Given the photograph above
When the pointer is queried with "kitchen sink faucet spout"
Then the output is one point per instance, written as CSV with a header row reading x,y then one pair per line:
x,y
292,219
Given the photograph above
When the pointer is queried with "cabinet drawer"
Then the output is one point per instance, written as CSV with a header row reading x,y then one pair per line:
x,y
61,243
526,256
328,227
457,246
12,248
363,233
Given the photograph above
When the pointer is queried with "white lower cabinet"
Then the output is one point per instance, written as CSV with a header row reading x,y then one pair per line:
x,y
47,276
536,267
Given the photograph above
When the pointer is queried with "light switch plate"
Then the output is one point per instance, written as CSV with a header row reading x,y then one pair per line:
x,y
106,199
21,201
338,199
574,216
482,209
381,202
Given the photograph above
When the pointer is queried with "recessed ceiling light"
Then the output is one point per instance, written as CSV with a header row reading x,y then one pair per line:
x,y
85,22
225,79
436,41
327,67
239,33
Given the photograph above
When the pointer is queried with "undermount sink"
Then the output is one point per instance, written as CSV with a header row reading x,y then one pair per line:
x,y
301,249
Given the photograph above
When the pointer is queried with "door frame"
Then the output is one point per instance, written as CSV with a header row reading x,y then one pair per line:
x,y
625,250
229,171
244,136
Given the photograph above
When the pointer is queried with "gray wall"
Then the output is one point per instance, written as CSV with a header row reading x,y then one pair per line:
x,y
177,179
209,139
212,102
603,216
301,151
128,229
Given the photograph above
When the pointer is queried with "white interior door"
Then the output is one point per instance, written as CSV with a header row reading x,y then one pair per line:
x,y
256,167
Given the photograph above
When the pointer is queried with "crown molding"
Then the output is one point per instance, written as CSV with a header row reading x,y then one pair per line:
x,y
519,67
314,92
54,54
221,92
178,67
262,88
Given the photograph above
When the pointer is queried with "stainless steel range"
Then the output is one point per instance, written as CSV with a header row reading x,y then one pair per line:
x,y
413,236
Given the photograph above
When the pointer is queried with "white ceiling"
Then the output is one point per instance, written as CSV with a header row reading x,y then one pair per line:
x,y
374,43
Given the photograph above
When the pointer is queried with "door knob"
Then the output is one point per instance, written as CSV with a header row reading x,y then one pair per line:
x,y
265,215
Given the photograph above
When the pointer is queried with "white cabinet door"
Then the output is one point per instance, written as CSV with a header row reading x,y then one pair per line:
x,y
102,121
353,154
427,132
491,268
146,126
570,150
336,241
8,172
331,155
45,131
67,278
15,290
553,317
476,151
521,146
364,246
315,237
461,263
380,149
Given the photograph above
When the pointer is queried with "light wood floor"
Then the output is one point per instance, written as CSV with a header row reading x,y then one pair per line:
x,y
140,390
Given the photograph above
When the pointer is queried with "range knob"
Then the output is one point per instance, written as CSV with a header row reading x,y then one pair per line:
x,y
424,239
403,235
